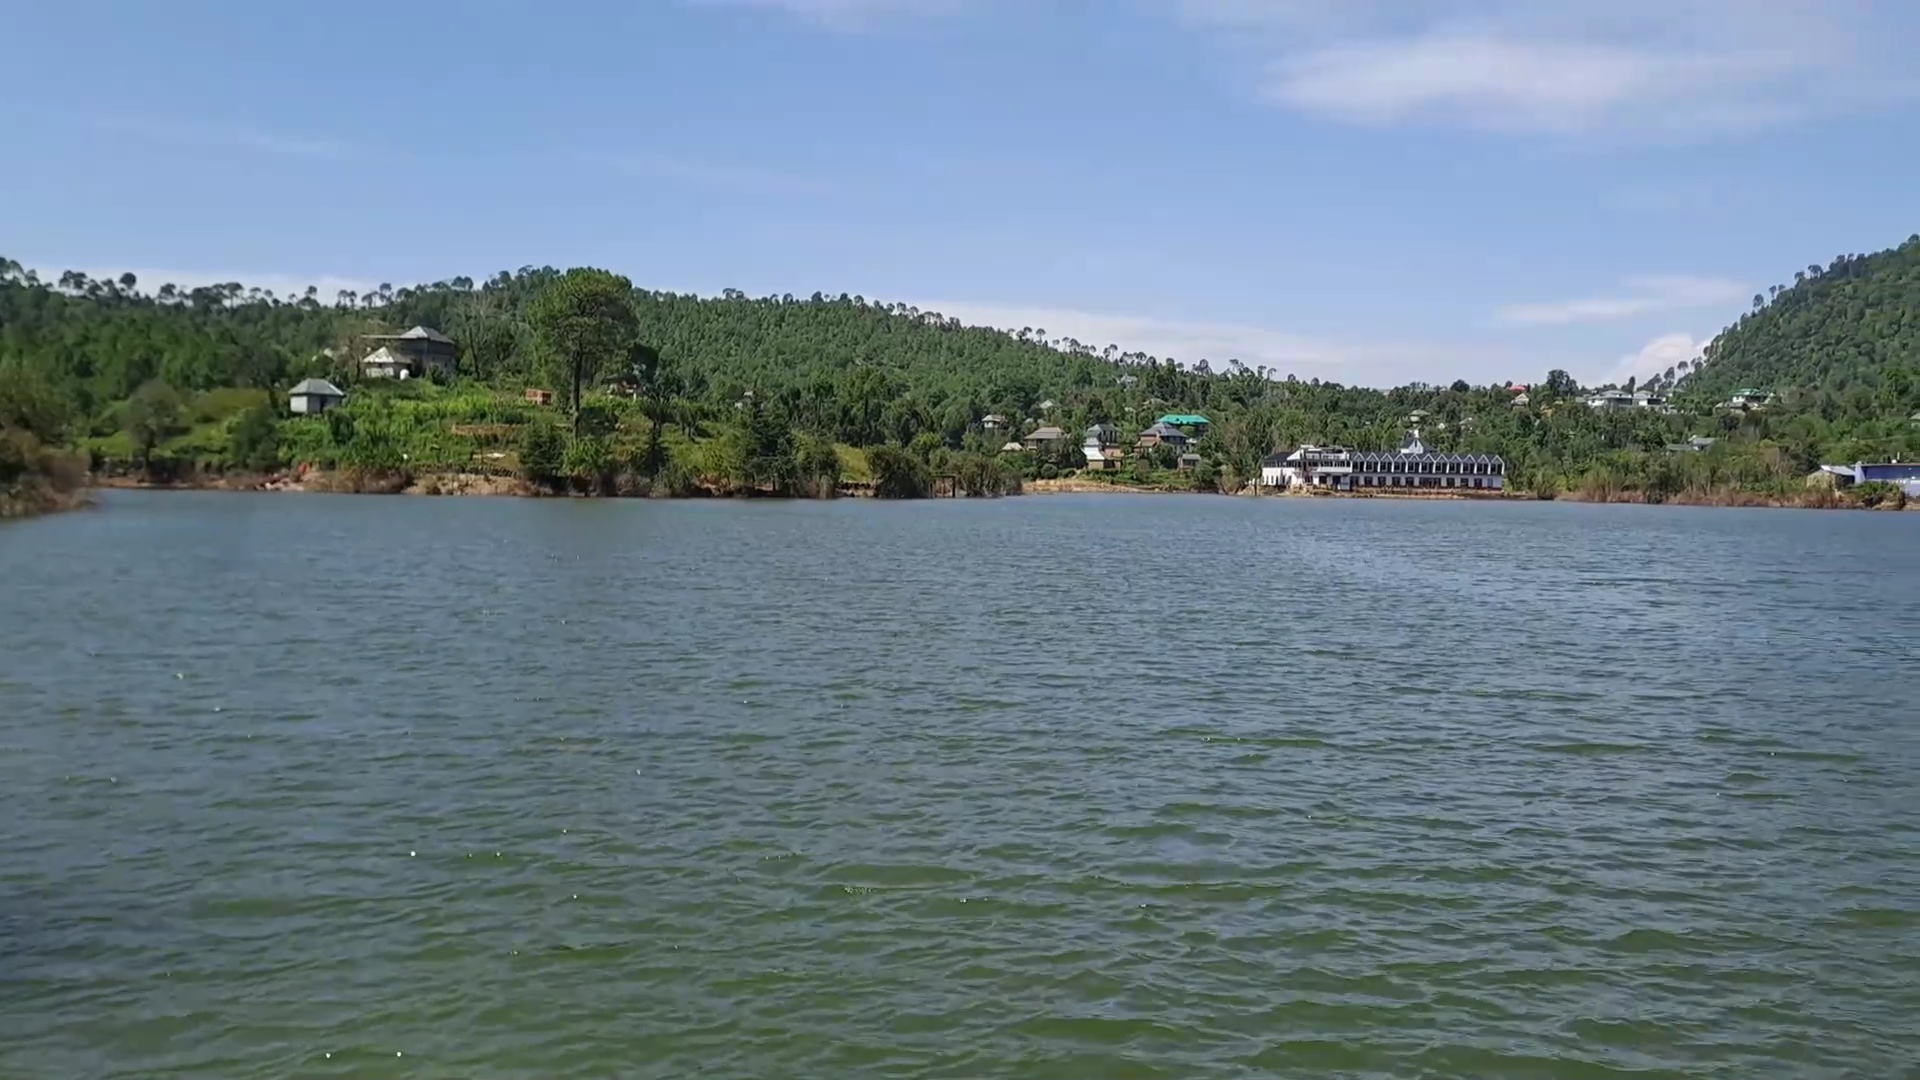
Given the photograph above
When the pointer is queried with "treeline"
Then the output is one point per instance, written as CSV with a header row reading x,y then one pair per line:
x,y
1841,342
786,395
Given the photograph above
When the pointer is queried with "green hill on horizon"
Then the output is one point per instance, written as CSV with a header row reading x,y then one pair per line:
x,y
1841,340
173,381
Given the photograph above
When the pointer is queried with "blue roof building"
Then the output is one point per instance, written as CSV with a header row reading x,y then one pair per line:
x,y
1904,475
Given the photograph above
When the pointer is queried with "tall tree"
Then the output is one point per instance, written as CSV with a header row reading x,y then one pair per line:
x,y
152,414
584,323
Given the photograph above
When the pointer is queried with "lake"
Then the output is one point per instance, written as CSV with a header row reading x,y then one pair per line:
x,y
1073,786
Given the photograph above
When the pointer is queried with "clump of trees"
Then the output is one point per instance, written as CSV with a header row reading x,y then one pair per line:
x,y
36,474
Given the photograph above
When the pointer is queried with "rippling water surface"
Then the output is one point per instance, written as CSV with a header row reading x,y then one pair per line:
x,y
1049,787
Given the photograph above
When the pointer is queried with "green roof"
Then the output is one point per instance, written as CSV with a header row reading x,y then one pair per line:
x,y
1184,419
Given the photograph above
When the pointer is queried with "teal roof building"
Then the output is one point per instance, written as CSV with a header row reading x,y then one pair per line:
x,y
1185,420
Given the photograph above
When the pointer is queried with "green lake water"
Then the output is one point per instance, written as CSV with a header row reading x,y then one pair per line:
x,y
306,786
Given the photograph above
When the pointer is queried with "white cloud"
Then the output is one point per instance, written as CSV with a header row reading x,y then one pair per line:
x,y
1370,364
1675,67
1524,86
1644,295
1655,358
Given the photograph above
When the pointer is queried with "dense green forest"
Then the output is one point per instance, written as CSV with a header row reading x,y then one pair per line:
x,y
786,395
1843,341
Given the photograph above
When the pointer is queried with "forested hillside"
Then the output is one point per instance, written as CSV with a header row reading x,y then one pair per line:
x,y
790,395
1841,341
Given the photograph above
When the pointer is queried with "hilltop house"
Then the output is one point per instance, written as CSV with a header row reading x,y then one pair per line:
x,y
1192,423
383,363
1045,438
1697,445
1746,398
314,396
993,422
1620,399
410,355
1101,448
1163,434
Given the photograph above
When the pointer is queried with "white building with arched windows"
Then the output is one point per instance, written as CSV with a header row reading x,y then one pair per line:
x,y
1411,468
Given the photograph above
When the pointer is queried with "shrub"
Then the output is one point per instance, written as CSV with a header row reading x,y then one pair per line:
x,y
587,463
1206,477
225,402
18,450
253,439
897,474
982,476
373,451
1878,493
543,450
677,478
598,416
816,467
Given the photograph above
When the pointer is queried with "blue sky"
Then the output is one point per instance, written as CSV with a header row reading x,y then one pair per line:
x,y
1372,191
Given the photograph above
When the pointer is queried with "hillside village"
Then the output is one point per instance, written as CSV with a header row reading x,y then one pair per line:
x,y
1818,384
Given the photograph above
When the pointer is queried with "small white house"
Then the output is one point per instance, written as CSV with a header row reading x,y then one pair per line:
x,y
314,396
1746,398
383,363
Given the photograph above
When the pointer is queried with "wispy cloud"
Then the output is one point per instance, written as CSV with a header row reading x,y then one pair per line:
x,y
1673,67
1642,295
841,14
204,133
738,179
1655,358
1369,363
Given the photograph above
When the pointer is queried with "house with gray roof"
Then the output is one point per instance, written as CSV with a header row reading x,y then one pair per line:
x,y
1163,434
314,396
411,354
1045,438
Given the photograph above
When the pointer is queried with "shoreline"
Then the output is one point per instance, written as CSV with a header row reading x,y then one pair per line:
x,y
486,485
